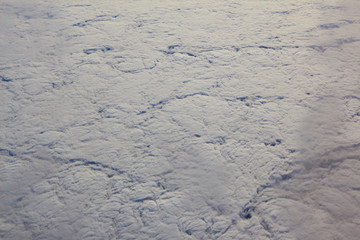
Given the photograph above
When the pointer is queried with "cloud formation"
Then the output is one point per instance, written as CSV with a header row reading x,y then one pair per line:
x,y
179,120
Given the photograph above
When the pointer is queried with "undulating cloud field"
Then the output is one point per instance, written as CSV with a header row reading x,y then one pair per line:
x,y
180,119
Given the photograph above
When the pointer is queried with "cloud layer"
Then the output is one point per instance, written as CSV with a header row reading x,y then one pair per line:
x,y
179,120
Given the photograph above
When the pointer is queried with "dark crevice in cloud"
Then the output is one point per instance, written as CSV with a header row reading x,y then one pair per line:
x,y
7,152
5,79
94,50
161,103
100,18
96,165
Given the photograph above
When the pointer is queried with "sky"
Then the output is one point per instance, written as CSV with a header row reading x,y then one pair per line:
x,y
179,120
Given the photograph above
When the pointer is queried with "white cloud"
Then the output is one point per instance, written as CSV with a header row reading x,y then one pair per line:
x,y
179,120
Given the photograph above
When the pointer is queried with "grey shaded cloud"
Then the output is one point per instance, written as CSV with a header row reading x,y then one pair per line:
x,y
178,120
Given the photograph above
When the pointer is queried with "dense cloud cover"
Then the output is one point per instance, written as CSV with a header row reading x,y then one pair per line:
x,y
179,119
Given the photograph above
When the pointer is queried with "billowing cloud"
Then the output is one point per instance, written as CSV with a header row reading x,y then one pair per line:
x,y
179,120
